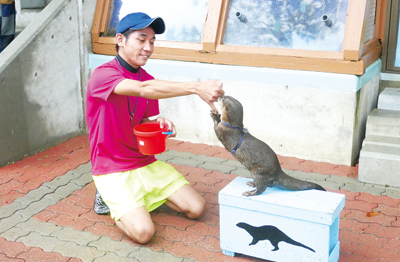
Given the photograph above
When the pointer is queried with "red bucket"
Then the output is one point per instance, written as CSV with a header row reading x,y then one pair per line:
x,y
150,138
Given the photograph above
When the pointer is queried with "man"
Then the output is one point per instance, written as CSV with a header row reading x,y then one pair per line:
x,y
121,95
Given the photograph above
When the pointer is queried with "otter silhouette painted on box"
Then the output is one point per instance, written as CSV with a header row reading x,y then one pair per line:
x,y
271,233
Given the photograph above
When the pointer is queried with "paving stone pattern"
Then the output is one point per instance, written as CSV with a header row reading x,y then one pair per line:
x,y
46,209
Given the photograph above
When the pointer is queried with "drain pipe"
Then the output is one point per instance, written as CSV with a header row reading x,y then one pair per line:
x,y
327,21
242,18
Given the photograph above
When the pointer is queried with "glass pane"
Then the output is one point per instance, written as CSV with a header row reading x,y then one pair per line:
x,y
296,24
184,19
397,56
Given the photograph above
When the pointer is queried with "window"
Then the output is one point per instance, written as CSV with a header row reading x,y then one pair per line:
x,y
318,35
307,25
391,57
184,24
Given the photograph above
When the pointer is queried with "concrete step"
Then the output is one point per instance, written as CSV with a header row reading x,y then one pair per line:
x,y
389,99
383,122
380,164
382,140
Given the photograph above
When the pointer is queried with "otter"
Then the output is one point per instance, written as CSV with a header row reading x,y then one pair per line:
x,y
254,154
271,233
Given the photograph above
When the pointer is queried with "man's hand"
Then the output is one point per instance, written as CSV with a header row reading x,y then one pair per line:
x,y
210,91
171,127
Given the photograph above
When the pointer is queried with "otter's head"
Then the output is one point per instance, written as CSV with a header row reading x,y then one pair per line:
x,y
241,225
231,111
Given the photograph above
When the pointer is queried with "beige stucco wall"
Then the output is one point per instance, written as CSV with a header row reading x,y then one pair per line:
x,y
309,115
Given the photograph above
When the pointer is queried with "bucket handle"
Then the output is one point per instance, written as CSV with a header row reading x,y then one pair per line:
x,y
167,133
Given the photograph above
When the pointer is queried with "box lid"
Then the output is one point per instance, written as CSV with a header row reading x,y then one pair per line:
x,y
309,205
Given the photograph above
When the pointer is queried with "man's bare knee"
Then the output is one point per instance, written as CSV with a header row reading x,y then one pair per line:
x,y
197,209
137,225
143,235
140,234
187,201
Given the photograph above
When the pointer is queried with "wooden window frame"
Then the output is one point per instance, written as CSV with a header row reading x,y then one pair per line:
x,y
354,58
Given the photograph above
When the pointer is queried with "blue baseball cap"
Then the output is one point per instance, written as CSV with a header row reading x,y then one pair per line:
x,y
140,20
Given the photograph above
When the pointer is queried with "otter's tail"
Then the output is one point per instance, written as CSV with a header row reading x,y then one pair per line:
x,y
295,243
290,183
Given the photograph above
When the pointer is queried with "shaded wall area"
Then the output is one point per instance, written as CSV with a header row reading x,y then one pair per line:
x,y
40,83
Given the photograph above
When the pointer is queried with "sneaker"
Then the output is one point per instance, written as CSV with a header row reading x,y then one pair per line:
x,y
100,207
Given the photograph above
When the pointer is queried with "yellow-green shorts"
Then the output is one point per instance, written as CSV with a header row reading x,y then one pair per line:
x,y
148,186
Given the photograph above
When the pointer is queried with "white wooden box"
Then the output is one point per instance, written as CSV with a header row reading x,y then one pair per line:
x,y
309,217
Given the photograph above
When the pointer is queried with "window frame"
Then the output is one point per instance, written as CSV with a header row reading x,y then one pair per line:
x,y
354,58
391,37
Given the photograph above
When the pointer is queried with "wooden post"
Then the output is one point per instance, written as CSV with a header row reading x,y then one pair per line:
x,y
380,19
211,26
354,30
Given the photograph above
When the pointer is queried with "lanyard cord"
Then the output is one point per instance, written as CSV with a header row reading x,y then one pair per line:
x,y
131,113
241,139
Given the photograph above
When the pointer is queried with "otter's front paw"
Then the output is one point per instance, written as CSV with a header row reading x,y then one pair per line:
x,y
215,116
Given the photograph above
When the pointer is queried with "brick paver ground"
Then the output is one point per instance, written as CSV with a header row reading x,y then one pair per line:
x,y
46,211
